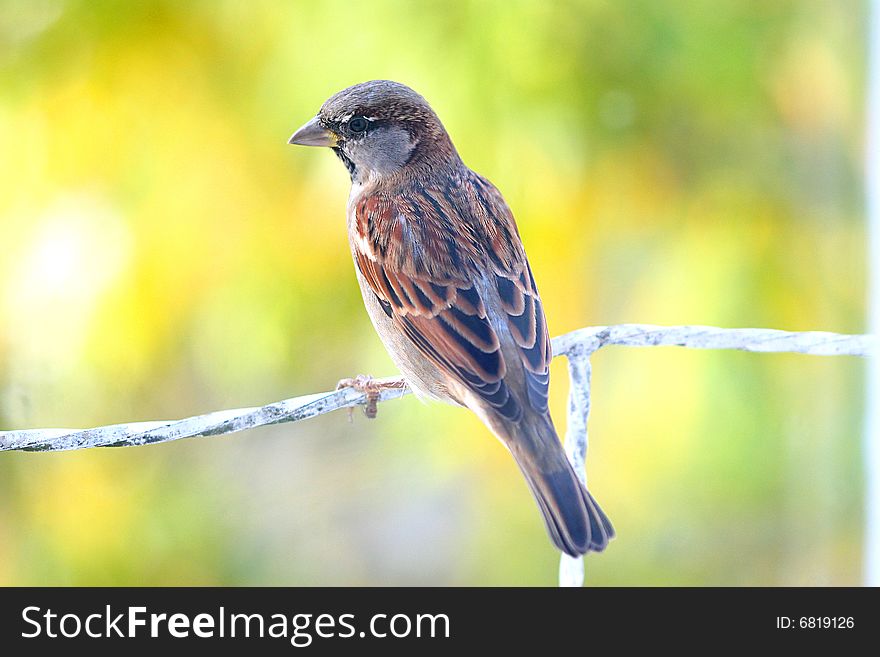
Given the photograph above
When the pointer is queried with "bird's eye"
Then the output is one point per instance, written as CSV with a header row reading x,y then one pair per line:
x,y
357,124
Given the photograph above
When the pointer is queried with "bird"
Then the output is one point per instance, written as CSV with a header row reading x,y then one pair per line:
x,y
447,285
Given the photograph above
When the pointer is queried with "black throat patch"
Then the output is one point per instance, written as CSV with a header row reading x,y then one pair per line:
x,y
345,160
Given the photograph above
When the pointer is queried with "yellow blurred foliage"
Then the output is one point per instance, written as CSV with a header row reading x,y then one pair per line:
x,y
166,253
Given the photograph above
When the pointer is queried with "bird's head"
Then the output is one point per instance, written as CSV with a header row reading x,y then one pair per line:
x,y
379,129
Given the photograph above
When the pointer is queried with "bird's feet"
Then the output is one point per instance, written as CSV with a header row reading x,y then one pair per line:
x,y
371,388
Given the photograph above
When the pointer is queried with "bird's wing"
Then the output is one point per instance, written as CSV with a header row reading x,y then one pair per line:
x,y
429,257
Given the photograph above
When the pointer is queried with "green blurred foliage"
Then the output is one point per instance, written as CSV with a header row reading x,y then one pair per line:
x,y
165,253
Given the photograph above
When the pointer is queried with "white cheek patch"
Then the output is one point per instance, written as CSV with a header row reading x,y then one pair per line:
x,y
385,150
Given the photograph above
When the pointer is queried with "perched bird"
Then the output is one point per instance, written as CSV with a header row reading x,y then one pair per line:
x,y
447,285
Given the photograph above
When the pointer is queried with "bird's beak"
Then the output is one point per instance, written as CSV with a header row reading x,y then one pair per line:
x,y
313,134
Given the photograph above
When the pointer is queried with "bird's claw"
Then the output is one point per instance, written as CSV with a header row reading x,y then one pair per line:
x,y
371,388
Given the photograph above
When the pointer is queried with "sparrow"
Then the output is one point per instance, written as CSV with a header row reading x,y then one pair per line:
x,y
447,285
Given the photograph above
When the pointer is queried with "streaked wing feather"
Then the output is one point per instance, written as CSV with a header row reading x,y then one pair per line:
x,y
528,327
425,282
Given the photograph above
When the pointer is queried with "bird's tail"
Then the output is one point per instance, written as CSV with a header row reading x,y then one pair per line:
x,y
574,520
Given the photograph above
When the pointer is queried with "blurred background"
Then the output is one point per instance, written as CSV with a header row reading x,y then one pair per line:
x,y
165,253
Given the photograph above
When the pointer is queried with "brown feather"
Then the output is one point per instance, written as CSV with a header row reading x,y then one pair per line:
x,y
447,284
